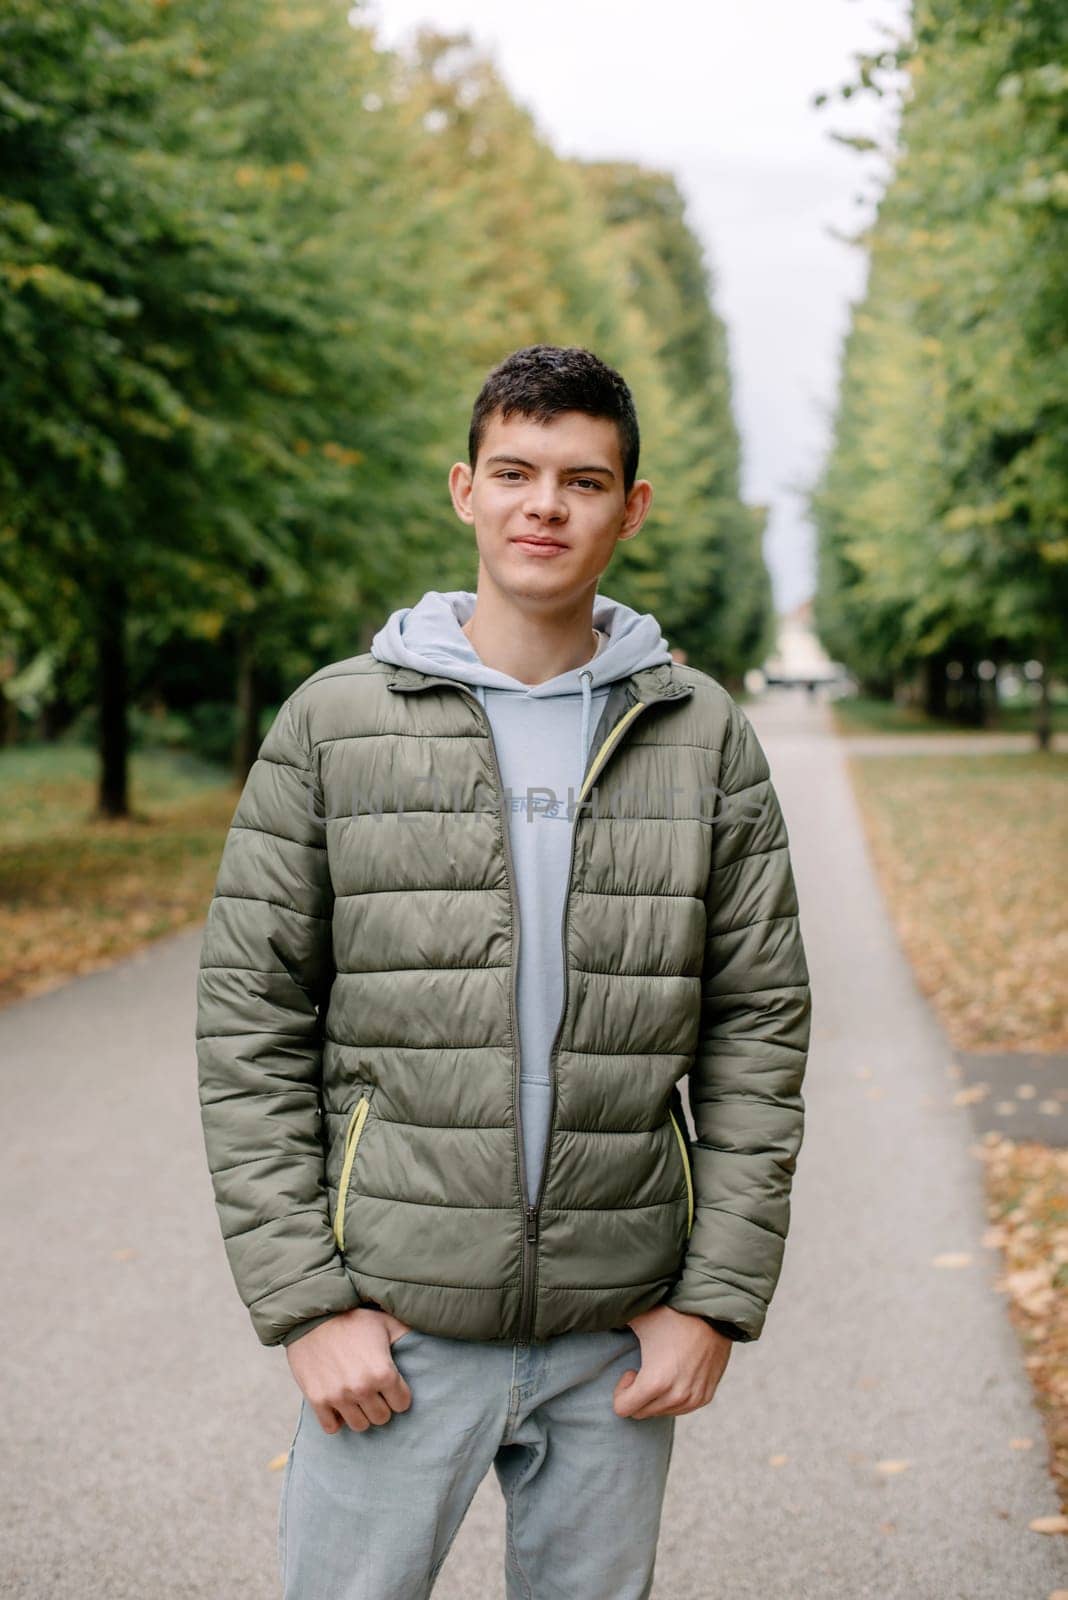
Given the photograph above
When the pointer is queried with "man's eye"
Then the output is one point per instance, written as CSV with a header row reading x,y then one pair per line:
x,y
592,482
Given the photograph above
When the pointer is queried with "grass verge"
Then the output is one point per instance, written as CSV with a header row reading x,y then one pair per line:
x,y
971,853
75,892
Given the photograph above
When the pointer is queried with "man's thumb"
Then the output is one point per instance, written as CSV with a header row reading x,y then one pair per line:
x,y
625,1384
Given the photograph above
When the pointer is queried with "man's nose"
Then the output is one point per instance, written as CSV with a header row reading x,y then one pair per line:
x,y
545,500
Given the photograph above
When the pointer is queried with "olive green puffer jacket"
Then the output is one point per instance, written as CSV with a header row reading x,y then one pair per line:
x,y
356,1027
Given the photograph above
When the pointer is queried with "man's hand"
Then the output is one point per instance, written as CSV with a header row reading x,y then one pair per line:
x,y
346,1372
682,1360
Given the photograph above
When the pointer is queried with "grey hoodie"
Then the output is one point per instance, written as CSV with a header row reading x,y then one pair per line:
x,y
542,736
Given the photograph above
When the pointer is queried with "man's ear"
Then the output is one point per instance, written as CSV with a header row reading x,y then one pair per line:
x,y
460,483
638,502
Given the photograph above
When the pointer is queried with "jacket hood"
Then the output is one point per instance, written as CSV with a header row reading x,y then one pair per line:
x,y
428,636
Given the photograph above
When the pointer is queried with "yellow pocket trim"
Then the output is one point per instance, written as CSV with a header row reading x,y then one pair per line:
x,y
686,1169
352,1139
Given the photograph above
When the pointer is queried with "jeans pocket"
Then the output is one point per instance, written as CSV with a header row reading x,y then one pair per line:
x,y
405,1338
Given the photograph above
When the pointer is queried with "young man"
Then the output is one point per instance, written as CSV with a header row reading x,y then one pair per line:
x,y
492,890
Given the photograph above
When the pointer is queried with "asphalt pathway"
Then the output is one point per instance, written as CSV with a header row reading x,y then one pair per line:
x,y
863,1446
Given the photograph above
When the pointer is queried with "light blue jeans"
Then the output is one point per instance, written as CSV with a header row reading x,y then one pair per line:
x,y
372,1515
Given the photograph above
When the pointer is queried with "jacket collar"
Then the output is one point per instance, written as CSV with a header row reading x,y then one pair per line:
x,y
649,684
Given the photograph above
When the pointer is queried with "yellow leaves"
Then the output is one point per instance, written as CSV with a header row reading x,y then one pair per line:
x,y
1031,1288
951,1258
207,624
778,1461
248,176
892,1467
981,516
276,1463
341,454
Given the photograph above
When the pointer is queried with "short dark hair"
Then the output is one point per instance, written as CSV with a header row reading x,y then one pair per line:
x,y
543,380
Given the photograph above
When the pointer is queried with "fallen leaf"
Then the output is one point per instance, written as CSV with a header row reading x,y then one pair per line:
x,y
1020,1444
888,1527
276,1463
124,1255
1057,1524
777,1461
967,1097
960,1258
892,1466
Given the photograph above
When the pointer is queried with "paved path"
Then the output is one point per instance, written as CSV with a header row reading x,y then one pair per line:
x,y
948,744
141,1413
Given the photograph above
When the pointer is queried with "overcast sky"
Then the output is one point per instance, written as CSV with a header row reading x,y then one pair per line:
x,y
719,92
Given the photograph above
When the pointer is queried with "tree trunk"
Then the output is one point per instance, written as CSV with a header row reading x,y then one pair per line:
x,y
934,685
9,716
991,703
112,691
249,702
970,706
1044,718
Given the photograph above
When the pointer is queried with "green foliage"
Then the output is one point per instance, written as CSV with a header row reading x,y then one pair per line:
x,y
943,507
253,270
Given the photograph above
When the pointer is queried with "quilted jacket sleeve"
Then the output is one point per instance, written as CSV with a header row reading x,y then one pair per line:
x,y
266,969
745,1081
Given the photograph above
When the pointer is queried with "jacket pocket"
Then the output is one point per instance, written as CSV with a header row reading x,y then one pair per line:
x,y
352,1139
684,1153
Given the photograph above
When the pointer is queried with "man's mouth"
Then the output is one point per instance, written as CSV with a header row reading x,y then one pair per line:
x,y
538,546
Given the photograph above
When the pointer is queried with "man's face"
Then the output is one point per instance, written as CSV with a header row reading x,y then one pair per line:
x,y
547,504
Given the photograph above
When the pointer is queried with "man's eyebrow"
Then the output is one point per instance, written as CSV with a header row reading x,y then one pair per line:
x,y
518,461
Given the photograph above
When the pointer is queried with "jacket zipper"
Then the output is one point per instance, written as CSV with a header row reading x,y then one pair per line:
x,y
530,1219
534,1211
686,1170
352,1139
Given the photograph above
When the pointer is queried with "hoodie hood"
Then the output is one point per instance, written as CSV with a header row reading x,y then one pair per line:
x,y
428,637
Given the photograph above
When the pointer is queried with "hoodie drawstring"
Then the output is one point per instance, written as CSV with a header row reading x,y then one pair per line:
x,y
586,679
